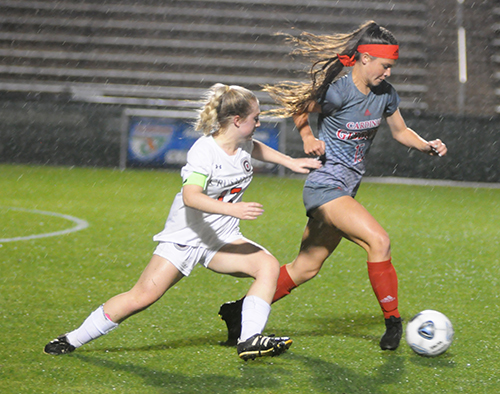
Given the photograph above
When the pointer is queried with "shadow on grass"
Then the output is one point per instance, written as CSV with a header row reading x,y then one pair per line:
x,y
323,376
187,341
334,378
357,325
316,374
445,360
171,382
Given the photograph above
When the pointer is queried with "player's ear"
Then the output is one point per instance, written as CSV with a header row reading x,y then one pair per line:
x,y
365,58
237,120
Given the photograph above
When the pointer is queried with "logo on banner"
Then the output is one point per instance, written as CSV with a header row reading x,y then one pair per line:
x,y
148,139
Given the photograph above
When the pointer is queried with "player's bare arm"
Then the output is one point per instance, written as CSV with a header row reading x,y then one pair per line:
x,y
312,145
194,197
406,136
263,152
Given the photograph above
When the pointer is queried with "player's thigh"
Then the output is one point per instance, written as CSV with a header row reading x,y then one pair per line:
x,y
244,258
158,276
353,220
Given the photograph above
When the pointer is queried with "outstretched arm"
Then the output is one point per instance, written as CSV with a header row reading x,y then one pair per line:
x,y
312,146
406,136
263,152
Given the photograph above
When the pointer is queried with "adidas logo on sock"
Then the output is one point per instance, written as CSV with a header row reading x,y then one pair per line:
x,y
387,299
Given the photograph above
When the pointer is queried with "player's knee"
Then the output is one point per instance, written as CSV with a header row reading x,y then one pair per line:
x,y
380,243
268,268
273,268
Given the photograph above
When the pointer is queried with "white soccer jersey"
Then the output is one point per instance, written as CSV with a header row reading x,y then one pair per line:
x,y
228,178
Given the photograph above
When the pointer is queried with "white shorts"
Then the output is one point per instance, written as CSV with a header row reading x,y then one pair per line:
x,y
185,257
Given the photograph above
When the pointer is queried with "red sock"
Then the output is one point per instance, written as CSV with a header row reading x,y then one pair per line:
x,y
285,284
385,285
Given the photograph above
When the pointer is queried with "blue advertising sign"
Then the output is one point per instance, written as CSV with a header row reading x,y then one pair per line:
x,y
164,142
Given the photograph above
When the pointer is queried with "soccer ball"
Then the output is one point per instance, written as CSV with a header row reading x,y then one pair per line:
x,y
429,333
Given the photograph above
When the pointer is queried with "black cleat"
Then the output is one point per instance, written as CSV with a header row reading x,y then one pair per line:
x,y
394,331
58,346
230,312
261,346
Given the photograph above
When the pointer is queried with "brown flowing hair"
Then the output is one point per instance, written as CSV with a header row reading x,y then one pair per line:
x,y
322,50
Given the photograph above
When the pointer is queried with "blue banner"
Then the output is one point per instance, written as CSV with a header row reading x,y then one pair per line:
x,y
164,142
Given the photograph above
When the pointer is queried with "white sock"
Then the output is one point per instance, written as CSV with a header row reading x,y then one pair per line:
x,y
96,325
254,315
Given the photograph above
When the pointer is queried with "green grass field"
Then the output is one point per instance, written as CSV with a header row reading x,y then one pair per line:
x,y
445,244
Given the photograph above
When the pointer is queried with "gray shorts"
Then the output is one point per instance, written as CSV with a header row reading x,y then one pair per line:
x,y
316,194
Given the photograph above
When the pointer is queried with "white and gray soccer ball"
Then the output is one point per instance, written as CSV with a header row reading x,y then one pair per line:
x,y
429,333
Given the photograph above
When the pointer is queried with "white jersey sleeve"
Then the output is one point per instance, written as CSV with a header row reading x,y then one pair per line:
x,y
199,159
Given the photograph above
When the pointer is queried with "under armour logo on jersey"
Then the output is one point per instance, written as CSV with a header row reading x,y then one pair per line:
x,y
218,166
367,113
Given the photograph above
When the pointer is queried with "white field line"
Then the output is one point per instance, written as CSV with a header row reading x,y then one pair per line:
x,y
431,182
80,225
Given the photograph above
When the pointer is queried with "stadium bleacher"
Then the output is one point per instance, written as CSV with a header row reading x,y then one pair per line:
x,y
163,54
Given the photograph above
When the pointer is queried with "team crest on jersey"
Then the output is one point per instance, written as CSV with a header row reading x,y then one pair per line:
x,y
247,166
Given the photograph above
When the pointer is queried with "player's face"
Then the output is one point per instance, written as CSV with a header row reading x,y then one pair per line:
x,y
248,125
378,70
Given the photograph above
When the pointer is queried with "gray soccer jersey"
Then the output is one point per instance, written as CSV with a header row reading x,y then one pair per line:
x,y
227,179
348,123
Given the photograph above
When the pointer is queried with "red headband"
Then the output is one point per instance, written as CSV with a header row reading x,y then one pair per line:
x,y
380,50
377,50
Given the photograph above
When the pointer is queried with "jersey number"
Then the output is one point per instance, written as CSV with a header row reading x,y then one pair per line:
x,y
360,153
234,190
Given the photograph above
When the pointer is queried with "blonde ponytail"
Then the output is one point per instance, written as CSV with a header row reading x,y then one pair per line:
x,y
222,103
